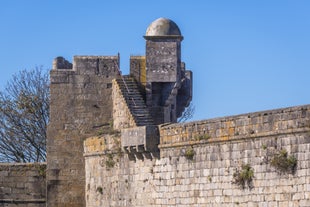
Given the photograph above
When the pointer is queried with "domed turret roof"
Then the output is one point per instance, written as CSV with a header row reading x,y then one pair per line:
x,y
163,27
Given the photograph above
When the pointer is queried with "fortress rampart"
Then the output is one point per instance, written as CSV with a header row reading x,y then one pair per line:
x,y
251,125
219,148
113,141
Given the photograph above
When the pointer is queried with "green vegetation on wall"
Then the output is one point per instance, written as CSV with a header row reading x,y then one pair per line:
x,y
244,177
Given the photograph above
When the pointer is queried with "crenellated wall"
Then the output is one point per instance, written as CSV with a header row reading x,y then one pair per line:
x,y
198,160
22,185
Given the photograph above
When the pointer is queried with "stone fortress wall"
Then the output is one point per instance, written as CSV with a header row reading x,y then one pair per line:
x,y
112,141
218,149
22,184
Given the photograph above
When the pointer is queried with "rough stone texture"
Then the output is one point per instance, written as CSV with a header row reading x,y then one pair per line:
x,y
168,85
143,138
129,108
163,60
22,185
81,106
61,63
220,147
168,88
102,144
138,69
122,118
259,124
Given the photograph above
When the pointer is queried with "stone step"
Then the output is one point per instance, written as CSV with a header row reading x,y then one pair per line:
x,y
133,97
143,121
135,101
142,113
136,104
136,97
140,116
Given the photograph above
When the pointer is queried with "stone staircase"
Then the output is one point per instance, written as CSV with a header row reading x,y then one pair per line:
x,y
135,101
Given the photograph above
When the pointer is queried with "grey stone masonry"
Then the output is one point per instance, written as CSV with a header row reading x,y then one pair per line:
x,y
22,184
168,85
251,125
81,104
199,162
163,59
137,69
134,101
140,139
61,63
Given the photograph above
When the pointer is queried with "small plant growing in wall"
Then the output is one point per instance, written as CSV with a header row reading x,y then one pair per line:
x,y
100,132
99,190
118,148
244,177
209,178
202,137
264,147
111,124
283,162
109,162
107,128
189,153
41,170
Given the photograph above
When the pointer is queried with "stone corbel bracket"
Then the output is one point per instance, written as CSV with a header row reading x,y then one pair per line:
x,y
140,139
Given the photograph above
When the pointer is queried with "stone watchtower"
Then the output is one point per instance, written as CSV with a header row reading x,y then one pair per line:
x,y
168,85
91,95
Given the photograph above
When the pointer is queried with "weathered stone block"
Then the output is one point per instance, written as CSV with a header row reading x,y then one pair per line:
x,y
145,138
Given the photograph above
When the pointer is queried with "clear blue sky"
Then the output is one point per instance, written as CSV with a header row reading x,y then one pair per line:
x,y
246,56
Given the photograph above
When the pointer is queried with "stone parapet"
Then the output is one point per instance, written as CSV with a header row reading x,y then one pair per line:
x,y
259,124
202,171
